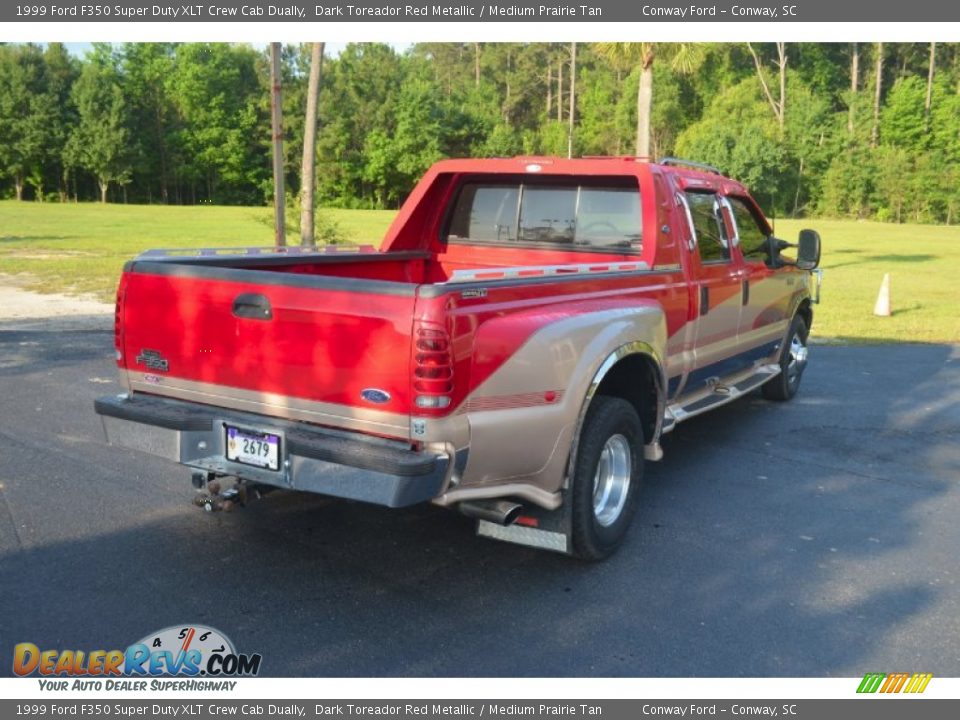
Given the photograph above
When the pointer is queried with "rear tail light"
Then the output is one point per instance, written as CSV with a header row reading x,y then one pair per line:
x,y
118,321
432,368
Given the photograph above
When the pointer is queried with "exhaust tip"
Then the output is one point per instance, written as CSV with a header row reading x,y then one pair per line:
x,y
501,512
511,515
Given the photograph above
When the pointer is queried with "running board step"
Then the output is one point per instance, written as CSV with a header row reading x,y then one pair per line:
x,y
718,394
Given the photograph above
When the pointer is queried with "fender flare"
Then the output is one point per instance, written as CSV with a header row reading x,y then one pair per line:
x,y
629,349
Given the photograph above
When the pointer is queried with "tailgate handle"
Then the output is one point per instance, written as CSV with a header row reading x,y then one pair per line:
x,y
252,306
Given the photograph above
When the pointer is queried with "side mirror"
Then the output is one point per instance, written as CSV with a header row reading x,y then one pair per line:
x,y
808,249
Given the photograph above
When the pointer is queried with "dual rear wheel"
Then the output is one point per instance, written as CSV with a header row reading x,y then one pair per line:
x,y
609,464
607,477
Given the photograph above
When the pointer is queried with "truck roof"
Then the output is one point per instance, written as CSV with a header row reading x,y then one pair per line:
x,y
698,173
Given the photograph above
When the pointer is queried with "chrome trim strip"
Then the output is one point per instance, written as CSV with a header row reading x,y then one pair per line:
x,y
532,271
735,240
281,406
682,202
753,377
269,251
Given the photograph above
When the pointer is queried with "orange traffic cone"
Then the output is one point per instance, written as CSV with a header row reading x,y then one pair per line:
x,y
882,308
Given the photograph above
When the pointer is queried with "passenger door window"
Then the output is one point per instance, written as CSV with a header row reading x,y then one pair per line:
x,y
708,227
753,239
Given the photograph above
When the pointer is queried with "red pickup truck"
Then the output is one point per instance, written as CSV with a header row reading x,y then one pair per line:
x,y
527,332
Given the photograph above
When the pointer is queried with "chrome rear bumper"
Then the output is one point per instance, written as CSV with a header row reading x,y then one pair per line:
x,y
312,459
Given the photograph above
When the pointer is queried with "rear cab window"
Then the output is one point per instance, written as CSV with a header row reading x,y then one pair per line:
x,y
600,215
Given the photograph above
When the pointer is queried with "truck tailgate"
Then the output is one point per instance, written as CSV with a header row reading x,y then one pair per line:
x,y
286,345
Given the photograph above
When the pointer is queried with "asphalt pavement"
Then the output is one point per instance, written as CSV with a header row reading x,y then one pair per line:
x,y
812,538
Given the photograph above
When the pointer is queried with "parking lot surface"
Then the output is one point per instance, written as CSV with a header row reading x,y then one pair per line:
x,y
813,538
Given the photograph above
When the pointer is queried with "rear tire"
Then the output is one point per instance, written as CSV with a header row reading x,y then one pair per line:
x,y
793,361
607,477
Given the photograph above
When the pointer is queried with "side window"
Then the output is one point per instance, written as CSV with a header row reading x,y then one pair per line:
x,y
708,227
753,241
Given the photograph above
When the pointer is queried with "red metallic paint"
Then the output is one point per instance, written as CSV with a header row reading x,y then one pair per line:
x,y
327,344
321,345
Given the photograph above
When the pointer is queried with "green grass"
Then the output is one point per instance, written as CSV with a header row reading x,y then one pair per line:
x,y
82,248
924,266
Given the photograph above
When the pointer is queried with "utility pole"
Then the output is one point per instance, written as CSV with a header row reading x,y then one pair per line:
x,y
276,124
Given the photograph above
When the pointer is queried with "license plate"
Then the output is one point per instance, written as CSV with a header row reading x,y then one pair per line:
x,y
252,447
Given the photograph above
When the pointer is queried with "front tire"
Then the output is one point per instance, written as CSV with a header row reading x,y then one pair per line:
x,y
793,361
607,477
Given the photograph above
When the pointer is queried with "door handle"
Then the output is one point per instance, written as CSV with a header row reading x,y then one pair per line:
x,y
704,300
745,291
252,306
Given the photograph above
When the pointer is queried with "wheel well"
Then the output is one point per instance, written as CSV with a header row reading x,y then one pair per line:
x,y
806,312
635,379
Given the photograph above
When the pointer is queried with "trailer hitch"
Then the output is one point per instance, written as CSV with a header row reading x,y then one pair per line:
x,y
212,498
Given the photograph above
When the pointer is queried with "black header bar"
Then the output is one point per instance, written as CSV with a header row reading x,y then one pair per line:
x,y
576,11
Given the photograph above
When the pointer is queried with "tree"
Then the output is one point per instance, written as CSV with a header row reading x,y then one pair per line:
x,y
100,141
194,116
598,130
848,184
854,87
682,58
308,167
147,70
893,171
902,117
24,108
738,135
394,163
930,71
945,122
878,89
805,139
360,87
60,116
573,98
222,105
779,104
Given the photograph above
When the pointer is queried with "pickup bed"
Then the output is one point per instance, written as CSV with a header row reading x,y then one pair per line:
x,y
516,348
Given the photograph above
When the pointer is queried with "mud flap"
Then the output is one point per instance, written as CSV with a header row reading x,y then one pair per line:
x,y
536,527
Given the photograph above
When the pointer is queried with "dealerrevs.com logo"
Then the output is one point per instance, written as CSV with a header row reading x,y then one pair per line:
x,y
181,650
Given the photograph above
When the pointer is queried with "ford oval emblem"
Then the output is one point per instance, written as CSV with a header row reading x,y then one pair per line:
x,y
375,395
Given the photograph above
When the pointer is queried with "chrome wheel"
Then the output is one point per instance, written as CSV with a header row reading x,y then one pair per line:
x,y
611,483
797,360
